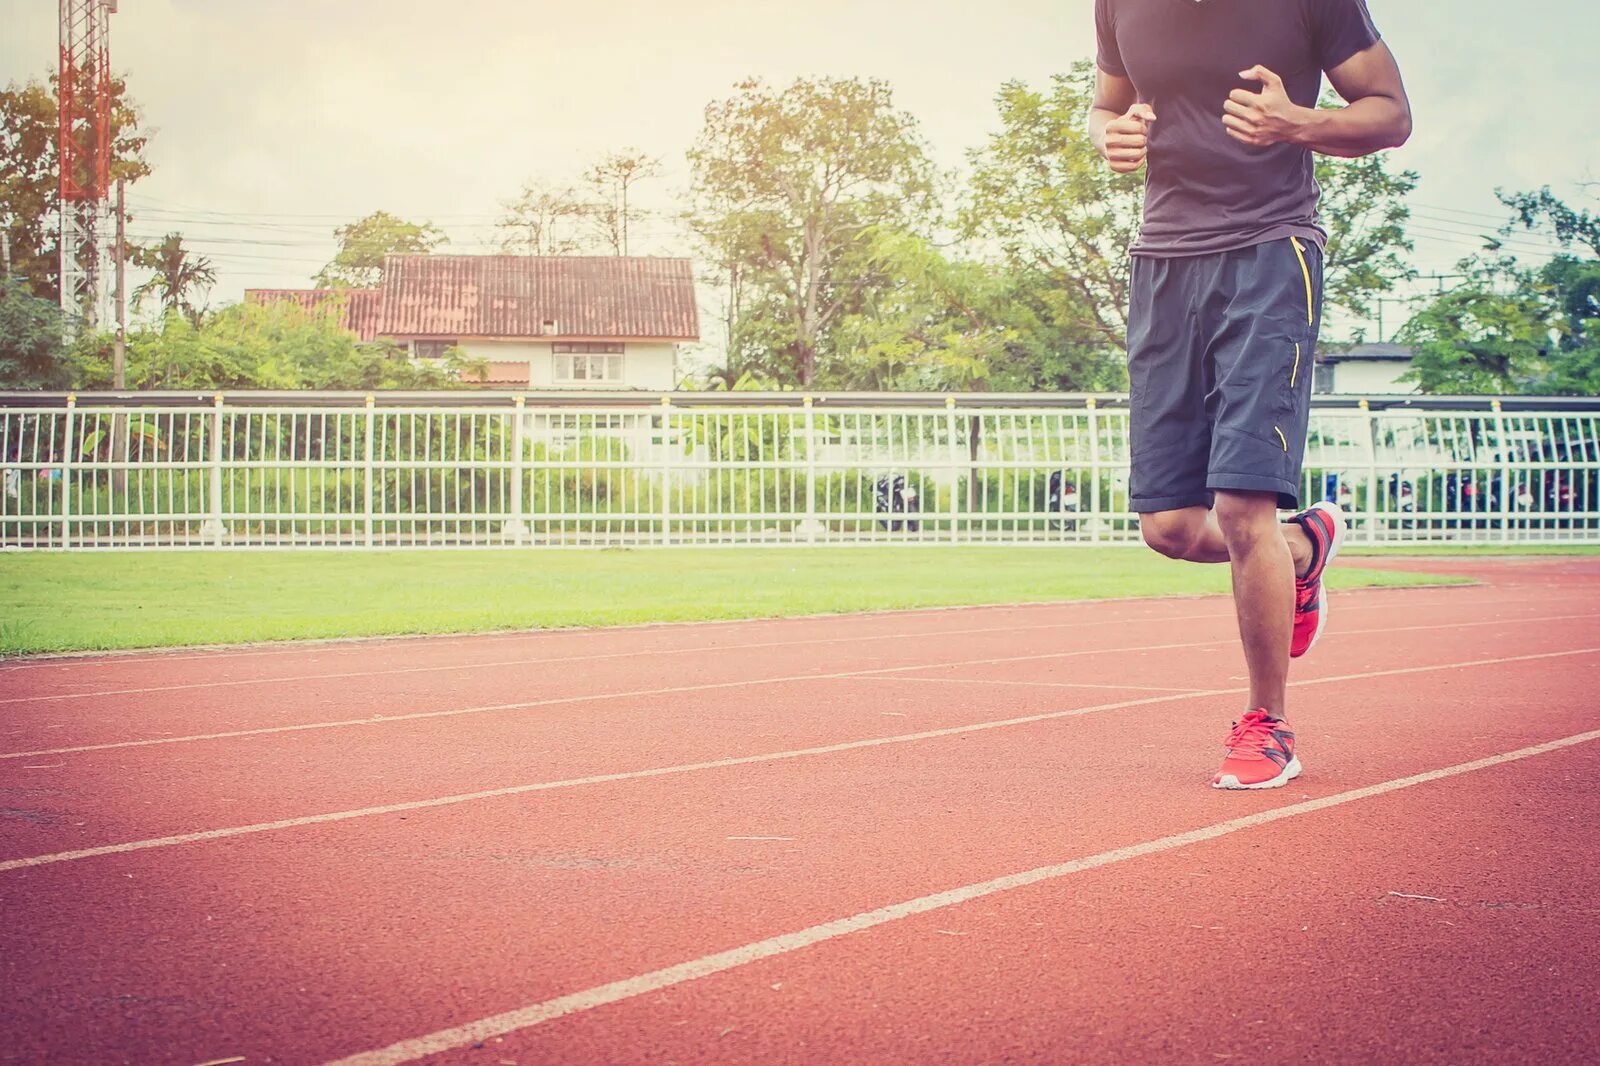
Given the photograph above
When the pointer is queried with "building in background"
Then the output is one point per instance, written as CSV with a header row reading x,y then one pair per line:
x,y
538,322
1364,370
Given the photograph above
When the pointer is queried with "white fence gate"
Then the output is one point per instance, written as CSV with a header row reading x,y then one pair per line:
x,y
465,469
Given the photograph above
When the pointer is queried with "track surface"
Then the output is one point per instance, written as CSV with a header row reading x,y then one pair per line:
x,y
966,835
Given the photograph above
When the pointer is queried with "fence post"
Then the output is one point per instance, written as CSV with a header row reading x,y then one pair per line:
x,y
517,528
811,472
213,529
66,469
1372,471
1093,519
1508,474
957,459
666,470
367,471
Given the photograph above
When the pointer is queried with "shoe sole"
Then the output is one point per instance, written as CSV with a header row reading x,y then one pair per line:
x,y
1287,774
1333,511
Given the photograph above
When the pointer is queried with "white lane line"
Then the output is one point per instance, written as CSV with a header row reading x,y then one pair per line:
x,y
218,652
631,654
383,719
388,719
462,1036
635,653
716,764
1033,684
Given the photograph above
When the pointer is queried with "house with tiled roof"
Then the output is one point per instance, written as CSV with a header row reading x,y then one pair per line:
x,y
538,322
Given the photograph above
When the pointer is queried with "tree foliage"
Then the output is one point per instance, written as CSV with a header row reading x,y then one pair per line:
x,y
613,210
177,275
544,219
31,351
29,204
270,346
1489,335
786,183
1512,328
1061,220
363,244
1365,211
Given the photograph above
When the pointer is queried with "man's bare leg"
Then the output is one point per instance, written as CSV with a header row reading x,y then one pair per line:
x,y
1263,591
1194,534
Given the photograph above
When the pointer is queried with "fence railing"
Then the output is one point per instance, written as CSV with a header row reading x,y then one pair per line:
x,y
478,470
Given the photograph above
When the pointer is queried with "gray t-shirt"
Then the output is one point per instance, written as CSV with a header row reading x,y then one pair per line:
x,y
1204,191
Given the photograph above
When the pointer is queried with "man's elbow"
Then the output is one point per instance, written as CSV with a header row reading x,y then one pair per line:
x,y
1400,129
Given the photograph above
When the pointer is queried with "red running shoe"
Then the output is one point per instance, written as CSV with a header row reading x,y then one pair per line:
x,y
1324,524
1260,754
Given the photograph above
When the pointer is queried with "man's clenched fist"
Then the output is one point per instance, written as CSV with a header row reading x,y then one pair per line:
x,y
1265,118
1127,139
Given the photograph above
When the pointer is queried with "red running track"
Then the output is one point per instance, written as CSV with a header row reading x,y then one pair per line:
x,y
972,835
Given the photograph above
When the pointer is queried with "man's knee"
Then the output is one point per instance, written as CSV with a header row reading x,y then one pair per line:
x,y
1172,533
1246,517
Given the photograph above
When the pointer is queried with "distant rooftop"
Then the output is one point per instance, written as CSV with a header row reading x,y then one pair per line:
x,y
574,297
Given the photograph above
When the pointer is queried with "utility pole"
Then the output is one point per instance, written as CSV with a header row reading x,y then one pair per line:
x,y
119,351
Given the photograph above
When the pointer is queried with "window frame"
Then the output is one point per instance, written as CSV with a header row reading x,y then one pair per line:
x,y
566,356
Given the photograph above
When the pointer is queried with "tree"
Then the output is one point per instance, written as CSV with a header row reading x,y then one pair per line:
x,y
1571,226
1572,281
1574,288
1364,209
178,274
31,351
543,220
363,244
1042,196
786,182
1492,334
939,323
29,205
271,346
612,181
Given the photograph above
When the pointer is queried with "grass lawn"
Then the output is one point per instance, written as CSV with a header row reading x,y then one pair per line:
x,y
66,602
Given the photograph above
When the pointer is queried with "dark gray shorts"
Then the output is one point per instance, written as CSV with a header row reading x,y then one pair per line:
x,y
1220,350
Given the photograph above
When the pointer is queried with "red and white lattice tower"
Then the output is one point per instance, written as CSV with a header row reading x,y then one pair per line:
x,y
84,152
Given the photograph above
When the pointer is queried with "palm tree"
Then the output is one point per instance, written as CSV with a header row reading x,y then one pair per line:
x,y
177,275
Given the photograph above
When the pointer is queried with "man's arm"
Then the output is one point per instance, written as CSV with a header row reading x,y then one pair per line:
x,y
1118,124
1378,114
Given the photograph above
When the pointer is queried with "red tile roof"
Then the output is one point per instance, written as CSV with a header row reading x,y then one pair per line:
x,y
599,298
361,313
537,296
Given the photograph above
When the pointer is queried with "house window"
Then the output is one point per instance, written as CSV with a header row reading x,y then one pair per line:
x,y
434,349
1322,379
578,363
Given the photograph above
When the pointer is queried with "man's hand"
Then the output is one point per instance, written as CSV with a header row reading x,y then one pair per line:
x,y
1127,139
1265,118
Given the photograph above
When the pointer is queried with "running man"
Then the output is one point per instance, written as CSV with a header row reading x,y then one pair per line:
x,y
1219,98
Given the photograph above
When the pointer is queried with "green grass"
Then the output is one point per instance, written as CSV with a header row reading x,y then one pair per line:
x,y
69,602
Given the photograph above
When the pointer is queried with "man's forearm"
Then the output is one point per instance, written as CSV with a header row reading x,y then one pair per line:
x,y
1368,125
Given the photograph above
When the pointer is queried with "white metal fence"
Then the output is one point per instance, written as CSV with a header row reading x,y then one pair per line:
x,y
474,470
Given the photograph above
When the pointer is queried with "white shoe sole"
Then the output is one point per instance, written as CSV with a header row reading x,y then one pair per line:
x,y
1287,774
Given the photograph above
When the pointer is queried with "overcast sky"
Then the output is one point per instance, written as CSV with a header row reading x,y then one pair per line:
x,y
274,122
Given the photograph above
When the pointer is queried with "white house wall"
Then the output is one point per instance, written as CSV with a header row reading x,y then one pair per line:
x,y
647,365
1371,378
